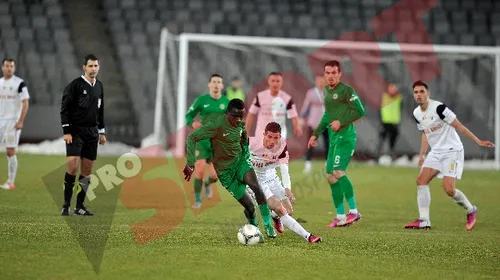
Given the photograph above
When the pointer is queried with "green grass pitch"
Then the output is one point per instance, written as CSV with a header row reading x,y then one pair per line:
x,y
37,243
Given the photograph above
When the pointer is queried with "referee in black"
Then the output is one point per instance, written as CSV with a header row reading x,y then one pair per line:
x,y
82,118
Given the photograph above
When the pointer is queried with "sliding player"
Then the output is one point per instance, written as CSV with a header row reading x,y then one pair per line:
x,y
208,106
266,153
229,141
439,127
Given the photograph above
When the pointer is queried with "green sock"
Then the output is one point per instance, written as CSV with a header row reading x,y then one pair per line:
x,y
266,214
348,191
338,197
197,189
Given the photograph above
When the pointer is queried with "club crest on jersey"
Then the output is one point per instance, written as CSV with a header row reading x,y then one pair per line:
x,y
335,96
222,106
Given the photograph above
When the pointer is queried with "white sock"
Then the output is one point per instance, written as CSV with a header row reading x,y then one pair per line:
x,y
12,163
424,201
308,165
273,214
342,217
294,226
353,211
462,200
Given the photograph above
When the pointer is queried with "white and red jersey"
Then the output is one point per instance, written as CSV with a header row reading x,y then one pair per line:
x,y
435,122
270,108
265,161
12,92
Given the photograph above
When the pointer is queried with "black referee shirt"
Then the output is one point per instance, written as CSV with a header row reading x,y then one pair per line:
x,y
82,105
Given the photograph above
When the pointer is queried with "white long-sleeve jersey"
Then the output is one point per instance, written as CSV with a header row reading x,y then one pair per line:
x,y
265,161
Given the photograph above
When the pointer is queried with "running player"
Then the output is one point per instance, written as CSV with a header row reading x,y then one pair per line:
x,y
209,106
439,127
266,153
231,157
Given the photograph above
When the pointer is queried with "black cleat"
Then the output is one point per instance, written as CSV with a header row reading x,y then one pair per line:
x,y
82,211
65,211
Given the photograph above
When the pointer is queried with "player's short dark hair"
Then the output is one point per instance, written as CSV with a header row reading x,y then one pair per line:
x,y
8,59
89,57
273,127
275,74
420,83
235,104
333,63
215,76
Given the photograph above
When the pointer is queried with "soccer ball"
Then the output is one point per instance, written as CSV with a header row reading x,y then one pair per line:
x,y
249,235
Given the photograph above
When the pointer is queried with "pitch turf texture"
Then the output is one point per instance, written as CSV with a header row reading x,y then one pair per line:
x,y
37,243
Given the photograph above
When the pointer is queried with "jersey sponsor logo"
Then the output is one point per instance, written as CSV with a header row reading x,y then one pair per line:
x,y
433,129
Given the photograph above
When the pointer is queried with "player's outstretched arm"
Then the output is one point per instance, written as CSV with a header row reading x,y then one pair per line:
x,y
356,111
424,146
460,127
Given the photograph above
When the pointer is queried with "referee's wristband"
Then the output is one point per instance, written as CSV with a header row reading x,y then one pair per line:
x,y
102,131
66,129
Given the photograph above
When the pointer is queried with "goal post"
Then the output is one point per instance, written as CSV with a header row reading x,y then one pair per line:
x,y
230,54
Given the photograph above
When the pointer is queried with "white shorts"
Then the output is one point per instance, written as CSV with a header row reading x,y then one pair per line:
x,y
449,164
273,187
9,135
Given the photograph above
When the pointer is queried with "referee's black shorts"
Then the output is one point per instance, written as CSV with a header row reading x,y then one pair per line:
x,y
84,144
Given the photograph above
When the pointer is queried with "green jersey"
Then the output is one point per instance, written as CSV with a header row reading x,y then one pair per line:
x,y
229,143
342,104
208,108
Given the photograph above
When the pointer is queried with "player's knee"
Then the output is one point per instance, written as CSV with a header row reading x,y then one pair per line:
x,y
422,180
199,169
331,178
449,188
11,152
72,165
338,174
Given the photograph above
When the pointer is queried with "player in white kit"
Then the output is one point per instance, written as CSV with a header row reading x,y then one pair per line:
x,y
266,153
273,105
14,105
439,127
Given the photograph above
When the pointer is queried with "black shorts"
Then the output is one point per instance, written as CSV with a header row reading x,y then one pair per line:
x,y
84,144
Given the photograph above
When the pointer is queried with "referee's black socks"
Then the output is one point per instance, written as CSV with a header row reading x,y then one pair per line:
x,y
69,182
82,190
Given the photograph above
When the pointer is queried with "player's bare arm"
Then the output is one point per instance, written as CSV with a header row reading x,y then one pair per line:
x,y
24,111
297,128
249,121
424,146
460,127
323,124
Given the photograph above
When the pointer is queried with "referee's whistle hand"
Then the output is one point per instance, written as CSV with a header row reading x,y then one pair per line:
x,y
102,139
68,138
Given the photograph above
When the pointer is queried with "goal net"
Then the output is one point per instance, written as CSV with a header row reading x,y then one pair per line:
x,y
466,79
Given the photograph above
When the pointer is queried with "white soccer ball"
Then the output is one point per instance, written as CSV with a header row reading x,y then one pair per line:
x,y
249,235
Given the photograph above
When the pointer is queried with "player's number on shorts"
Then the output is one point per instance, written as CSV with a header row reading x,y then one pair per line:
x,y
337,160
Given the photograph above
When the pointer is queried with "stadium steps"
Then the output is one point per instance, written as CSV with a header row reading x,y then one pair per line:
x,y
88,36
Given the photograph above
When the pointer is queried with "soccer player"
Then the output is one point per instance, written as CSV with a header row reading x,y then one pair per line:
x,y
229,141
313,110
342,109
439,127
14,103
82,118
273,105
266,153
209,106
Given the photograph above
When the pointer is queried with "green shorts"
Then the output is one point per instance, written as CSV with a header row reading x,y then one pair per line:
x,y
203,150
339,155
233,178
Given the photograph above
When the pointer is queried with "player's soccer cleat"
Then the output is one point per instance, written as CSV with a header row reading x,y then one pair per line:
x,y
196,205
65,211
419,224
278,225
270,231
7,186
353,217
338,223
314,239
82,211
471,219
